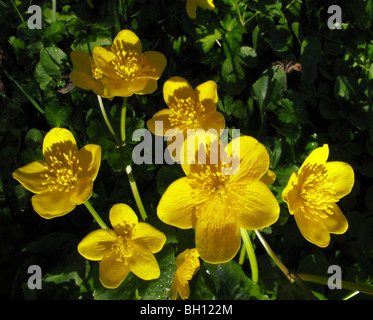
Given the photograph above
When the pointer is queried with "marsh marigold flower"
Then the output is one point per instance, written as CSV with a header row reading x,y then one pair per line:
x,y
86,74
126,69
218,197
187,264
64,179
191,6
312,194
129,247
188,108
121,69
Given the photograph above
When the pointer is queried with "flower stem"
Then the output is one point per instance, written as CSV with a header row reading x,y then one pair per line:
x,y
107,119
123,122
345,284
95,215
250,252
291,277
135,192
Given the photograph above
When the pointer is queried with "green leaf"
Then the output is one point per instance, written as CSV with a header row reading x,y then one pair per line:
x,y
226,282
57,114
210,40
52,59
268,88
311,48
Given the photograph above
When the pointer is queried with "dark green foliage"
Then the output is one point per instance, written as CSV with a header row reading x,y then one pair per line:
x,y
291,113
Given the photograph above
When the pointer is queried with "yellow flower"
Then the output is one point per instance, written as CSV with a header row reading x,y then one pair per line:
x,y
188,109
217,199
129,247
191,6
312,194
87,75
125,69
65,178
187,264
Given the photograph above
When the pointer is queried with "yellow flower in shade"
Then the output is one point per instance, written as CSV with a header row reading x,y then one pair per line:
x,y
65,178
187,264
125,69
129,247
312,194
220,195
188,109
87,75
191,6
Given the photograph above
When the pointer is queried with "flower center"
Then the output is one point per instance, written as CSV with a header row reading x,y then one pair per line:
x,y
128,63
63,169
97,74
123,244
316,191
185,113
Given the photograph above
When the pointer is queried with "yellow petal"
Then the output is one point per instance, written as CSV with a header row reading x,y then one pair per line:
x,y
83,80
142,85
149,237
212,120
89,160
96,244
82,191
52,204
206,4
32,176
269,177
143,264
104,61
207,94
337,222
127,40
257,206
217,233
121,214
113,270
312,228
254,158
290,194
81,61
178,203
159,124
58,136
191,8
342,176
155,64
200,149
318,156
183,289
116,87
179,88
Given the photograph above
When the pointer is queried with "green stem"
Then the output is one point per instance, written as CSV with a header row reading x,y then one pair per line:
x,y
250,252
54,8
19,13
34,103
95,215
238,12
135,193
274,257
107,119
291,277
123,121
345,284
